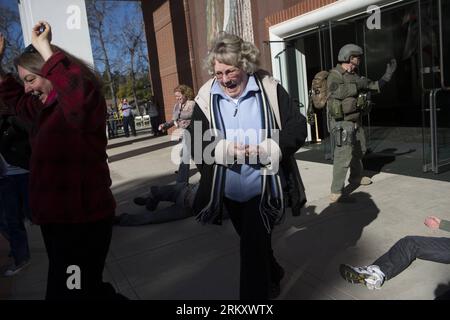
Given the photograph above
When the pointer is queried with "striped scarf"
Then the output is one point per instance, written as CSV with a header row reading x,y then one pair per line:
x,y
271,206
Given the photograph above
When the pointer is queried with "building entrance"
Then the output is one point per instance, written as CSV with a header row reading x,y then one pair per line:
x,y
411,116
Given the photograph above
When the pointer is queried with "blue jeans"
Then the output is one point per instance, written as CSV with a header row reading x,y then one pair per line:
x,y
112,128
129,122
15,207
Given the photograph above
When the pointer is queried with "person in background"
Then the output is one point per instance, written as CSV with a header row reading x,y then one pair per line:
x,y
348,101
15,152
111,117
152,111
128,119
181,195
181,119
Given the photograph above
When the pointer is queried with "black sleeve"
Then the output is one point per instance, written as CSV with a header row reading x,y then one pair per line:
x,y
197,145
20,125
293,133
381,83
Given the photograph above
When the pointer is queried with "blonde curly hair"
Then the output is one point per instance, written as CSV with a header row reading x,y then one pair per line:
x,y
185,90
234,51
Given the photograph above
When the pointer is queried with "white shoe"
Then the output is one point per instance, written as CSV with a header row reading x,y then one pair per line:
x,y
363,181
371,276
334,197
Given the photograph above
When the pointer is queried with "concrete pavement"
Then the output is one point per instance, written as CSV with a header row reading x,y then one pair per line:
x,y
184,260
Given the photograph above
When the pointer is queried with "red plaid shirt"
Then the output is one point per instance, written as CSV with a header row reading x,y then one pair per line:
x,y
69,174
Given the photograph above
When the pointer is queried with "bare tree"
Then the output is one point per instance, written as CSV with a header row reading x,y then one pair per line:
x,y
133,40
131,46
97,12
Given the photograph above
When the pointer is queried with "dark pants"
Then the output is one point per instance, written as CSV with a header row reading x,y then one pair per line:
x,y
84,245
154,121
14,205
183,168
409,248
258,265
129,122
112,128
172,193
183,173
348,155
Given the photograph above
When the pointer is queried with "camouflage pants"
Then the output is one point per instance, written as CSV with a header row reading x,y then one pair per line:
x,y
349,154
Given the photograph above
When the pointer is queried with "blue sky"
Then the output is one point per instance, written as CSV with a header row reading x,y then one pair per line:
x,y
122,12
9,3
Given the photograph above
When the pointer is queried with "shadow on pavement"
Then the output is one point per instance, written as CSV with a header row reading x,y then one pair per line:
x,y
407,163
312,243
375,161
139,151
442,291
112,145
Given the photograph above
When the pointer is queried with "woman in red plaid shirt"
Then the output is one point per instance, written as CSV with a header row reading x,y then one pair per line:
x,y
70,196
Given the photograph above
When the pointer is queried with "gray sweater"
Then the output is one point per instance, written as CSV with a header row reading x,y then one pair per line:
x,y
444,225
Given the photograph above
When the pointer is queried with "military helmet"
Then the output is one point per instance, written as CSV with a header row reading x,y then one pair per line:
x,y
349,50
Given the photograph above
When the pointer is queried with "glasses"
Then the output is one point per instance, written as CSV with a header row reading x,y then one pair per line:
x,y
230,73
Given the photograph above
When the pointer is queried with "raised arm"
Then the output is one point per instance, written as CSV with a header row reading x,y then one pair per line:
x,y
41,39
78,93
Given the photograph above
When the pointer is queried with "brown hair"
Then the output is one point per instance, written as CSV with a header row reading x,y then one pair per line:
x,y
33,61
185,91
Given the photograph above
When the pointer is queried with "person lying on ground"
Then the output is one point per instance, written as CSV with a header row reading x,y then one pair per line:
x,y
400,256
181,194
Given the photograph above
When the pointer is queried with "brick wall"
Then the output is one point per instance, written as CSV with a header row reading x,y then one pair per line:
x,y
302,7
164,34
169,50
269,13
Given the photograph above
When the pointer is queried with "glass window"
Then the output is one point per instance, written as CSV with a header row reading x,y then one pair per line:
x,y
446,42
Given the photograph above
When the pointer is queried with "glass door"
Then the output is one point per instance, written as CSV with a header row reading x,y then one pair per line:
x,y
442,97
435,35
312,55
440,139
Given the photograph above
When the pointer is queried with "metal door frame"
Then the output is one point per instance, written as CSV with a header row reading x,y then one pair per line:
x,y
437,166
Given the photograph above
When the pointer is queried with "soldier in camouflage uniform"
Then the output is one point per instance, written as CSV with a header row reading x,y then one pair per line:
x,y
347,102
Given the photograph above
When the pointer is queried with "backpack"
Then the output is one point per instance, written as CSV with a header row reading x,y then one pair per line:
x,y
319,92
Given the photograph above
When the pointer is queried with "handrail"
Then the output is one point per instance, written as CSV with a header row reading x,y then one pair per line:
x,y
441,45
433,129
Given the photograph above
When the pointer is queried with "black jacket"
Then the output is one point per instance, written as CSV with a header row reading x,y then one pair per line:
x,y
14,141
292,137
